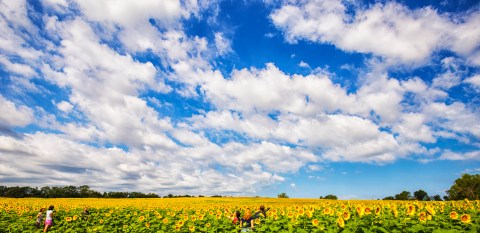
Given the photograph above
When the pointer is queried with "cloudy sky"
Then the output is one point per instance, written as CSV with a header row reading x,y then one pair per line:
x,y
358,99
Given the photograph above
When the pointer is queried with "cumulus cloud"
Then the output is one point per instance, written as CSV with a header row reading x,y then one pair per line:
x,y
14,114
66,162
388,30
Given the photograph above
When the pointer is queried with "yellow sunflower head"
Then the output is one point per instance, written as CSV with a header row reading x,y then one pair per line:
x,y
341,222
453,215
465,218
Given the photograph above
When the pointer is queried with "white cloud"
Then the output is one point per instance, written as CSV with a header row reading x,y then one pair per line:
x,y
315,167
14,114
65,106
222,44
56,157
412,127
303,64
17,68
474,81
130,13
450,155
387,30
455,117
263,90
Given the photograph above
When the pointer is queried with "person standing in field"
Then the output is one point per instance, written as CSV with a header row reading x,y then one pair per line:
x,y
247,221
48,219
38,223
236,218
262,212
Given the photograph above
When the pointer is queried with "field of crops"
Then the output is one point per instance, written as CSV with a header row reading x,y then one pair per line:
x,y
211,215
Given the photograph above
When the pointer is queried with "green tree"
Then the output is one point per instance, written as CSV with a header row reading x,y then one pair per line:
x,y
465,187
282,195
389,198
330,196
420,195
437,198
405,195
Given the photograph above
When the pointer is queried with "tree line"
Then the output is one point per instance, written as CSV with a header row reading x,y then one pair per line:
x,y
83,191
465,187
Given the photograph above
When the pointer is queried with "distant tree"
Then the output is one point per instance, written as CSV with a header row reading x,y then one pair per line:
x,y
389,198
282,195
330,197
445,198
420,195
405,195
465,187
437,198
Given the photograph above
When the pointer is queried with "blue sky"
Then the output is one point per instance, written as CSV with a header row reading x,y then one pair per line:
x,y
247,98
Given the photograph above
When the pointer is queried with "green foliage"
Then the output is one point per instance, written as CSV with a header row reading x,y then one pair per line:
x,y
282,195
405,195
420,195
465,187
329,197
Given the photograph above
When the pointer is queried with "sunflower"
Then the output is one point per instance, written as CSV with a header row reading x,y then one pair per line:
x,y
368,210
75,217
465,218
360,211
378,210
453,215
191,228
422,217
411,210
309,214
165,220
346,215
341,222
327,211
68,219
301,212
290,215
147,225
315,222
208,225
431,210
101,221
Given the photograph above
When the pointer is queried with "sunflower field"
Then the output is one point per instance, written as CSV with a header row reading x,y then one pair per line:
x,y
212,215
